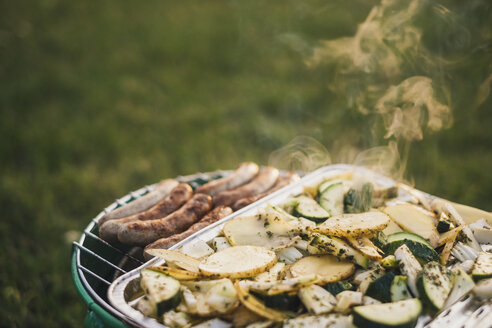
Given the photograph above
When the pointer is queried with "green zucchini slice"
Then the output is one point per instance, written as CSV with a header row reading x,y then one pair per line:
x,y
482,269
308,208
162,290
434,285
331,198
419,247
380,289
402,314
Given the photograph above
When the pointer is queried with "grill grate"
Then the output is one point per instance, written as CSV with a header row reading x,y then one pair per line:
x,y
99,263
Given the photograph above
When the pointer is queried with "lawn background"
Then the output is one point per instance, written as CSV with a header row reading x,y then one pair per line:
x,y
98,98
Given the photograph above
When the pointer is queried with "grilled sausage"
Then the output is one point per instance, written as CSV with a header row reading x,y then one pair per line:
x,y
141,204
178,196
145,232
244,173
213,216
281,182
262,182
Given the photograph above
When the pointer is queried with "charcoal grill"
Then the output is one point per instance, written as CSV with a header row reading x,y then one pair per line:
x,y
96,264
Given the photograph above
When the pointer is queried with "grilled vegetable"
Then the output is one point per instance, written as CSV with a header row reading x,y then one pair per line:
x,y
365,278
444,224
359,200
209,297
409,266
419,247
177,319
482,269
322,244
434,285
326,321
482,231
389,262
287,301
412,219
176,273
328,268
462,284
213,323
176,258
354,225
308,208
196,249
380,289
289,255
464,252
316,299
238,262
483,288
337,287
346,300
255,305
402,314
399,290
272,274
260,230
281,286
366,247
220,243
448,236
162,290
331,198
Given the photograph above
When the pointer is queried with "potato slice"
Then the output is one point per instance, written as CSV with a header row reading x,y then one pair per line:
x,y
238,262
267,231
328,268
412,219
366,247
354,225
177,258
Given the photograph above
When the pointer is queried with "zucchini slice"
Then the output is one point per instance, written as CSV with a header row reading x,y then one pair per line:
x,y
412,219
402,314
399,290
176,258
482,269
434,285
288,301
316,299
322,244
359,200
462,284
261,230
162,290
380,289
337,287
354,225
419,247
331,198
409,266
327,268
238,262
389,262
308,208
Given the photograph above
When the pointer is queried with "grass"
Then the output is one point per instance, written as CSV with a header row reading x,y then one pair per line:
x,y
100,98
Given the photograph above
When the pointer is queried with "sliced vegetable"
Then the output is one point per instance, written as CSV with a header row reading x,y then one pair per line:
x,y
196,249
337,287
308,208
392,228
220,243
402,314
331,198
483,266
322,244
412,219
346,300
366,247
389,262
380,288
287,301
253,304
146,307
434,285
483,288
326,321
399,290
464,252
462,284
419,247
238,262
289,255
327,267
444,224
482,231
177,319
162,290
316,299
210,297
354,225
176,258
176,273
260,230
213,323
281,286
365,278
272,274
409,266
359,200
449,236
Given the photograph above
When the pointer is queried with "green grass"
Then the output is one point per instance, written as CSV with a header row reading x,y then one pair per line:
x,y
100,98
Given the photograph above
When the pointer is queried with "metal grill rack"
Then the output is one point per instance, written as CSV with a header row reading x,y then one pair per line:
x,y
97,263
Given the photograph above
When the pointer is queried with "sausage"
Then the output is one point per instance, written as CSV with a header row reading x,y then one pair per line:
x,y
244,173
141,204
213,216
262,182
178,196
281,182
145,232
